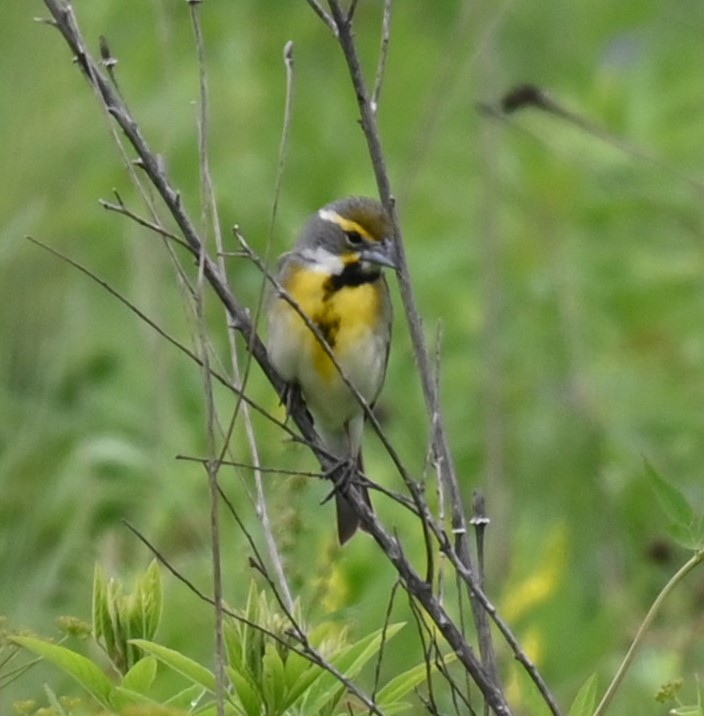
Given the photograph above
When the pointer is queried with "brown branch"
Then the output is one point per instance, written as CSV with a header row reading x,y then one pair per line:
x,y
420,588
439,439
64,21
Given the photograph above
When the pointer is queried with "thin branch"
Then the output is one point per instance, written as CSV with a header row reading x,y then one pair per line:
x,y
320,12
469,578
382,645
210,271
240,321
351,11
383,55
225,382
694,561
261,505
439,437
120,208
371,133
258,468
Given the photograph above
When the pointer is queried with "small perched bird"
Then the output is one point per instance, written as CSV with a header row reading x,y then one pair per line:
x,y
334,276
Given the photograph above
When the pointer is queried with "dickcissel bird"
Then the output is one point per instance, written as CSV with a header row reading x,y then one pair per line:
x,y
334,276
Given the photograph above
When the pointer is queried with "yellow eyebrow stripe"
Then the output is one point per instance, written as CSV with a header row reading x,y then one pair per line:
x,y
346,225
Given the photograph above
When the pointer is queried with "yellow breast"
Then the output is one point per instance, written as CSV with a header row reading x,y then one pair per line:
x,y
346,318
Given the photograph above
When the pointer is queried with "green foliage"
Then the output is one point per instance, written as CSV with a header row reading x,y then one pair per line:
x,y
83,670
270,671
670,693
685,526
585,700
119,619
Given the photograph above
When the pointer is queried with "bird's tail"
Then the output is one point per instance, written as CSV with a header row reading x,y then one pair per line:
x,y
347,519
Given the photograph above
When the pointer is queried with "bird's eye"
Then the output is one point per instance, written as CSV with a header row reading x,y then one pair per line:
x,y
354,238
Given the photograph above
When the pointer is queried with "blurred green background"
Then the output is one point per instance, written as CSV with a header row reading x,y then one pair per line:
x,y
563,277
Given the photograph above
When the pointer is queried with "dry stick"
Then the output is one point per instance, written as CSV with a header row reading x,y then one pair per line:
x,y
432,648
63,21
411,580
120,208
439,437
350,11
246,466
492,289
470,579
382,645
225,382
242,379
383,54
261,507
320,12
213,464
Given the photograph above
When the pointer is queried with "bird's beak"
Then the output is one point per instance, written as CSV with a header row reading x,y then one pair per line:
x,y
383,254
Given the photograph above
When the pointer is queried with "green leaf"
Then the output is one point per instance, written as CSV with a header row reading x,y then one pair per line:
x,y
300,674
149,601
247,692
353,658
141,676
84,671
212,710
530,700
123,698
328,690
402,684
188,698
100,615
273,683
686,536
672,502
183,665
585,700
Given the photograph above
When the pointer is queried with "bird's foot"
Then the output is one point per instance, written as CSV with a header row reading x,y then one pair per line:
x,y
290,395
342,473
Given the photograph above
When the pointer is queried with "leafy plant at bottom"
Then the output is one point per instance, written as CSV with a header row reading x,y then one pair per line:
x,y
267,670
269,674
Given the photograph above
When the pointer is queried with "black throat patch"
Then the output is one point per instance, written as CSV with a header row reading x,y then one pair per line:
x,y
354,274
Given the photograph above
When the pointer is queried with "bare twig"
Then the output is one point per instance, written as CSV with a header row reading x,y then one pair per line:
x,y
213,463
120,208
239,318
439,437
383,55
380,656
320,12
261,505
371,133
210,271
